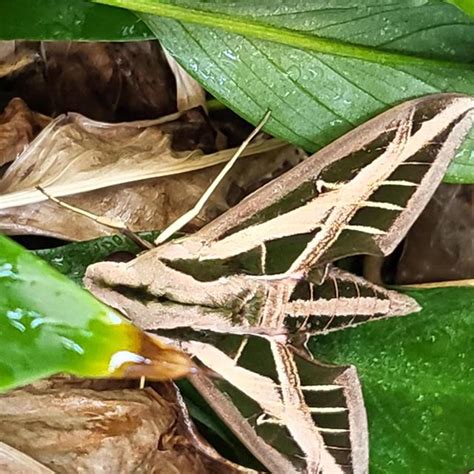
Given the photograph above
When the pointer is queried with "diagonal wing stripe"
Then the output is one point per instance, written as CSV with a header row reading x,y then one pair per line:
x,y
363,185
282,399
298,415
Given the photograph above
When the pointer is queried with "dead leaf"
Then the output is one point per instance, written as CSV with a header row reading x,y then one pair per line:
x,y
440,245
14,57
75,154
105,81
13,461
18,126
99,426
148,205
123,166
189,93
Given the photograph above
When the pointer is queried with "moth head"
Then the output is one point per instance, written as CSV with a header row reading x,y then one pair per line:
x,y
156,296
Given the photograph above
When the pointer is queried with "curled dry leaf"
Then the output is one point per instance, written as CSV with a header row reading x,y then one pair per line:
x,y
100,426
189,93
132,171
18,126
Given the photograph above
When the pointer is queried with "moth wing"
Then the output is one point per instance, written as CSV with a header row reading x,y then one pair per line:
x,y
343,300
358,195
292,413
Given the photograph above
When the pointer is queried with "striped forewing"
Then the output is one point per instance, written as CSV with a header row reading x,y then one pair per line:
x,y
343,300
294,414
359,195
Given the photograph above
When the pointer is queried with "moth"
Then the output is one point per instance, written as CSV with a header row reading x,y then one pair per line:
x,y
243,294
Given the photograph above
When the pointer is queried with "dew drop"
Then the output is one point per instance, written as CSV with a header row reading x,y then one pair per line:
x,y
17,325
6,271
153,360
293,73
71,345
230,54
113,318
15,314
36,322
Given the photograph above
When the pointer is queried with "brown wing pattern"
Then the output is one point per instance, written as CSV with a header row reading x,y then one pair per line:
x,y
343,300
294,414
359,195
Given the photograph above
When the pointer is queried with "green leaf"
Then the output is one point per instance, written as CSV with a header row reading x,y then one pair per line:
x,y
321,67
461,170
68,20
73,259
416,374
465,5
49,325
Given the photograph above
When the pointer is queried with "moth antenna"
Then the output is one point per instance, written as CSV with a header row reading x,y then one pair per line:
x,y
115,224
192,213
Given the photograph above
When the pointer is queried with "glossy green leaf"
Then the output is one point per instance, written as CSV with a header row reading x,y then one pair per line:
x,y
49,325
416,375
415,372
321,67
68,20
465,5
461,170
72,259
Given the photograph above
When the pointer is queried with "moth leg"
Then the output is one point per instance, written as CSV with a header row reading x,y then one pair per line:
x,y
115,224
358,302
336,296
299,344
265,418
308,317
318,276
192,213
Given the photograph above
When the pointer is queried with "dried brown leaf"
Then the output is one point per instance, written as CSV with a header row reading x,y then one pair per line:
x,y
189,93
105,81
13,461
14,57
102,427
117,170
440,245
18,126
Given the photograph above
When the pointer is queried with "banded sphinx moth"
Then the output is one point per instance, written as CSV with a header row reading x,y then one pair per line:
x,y
243,293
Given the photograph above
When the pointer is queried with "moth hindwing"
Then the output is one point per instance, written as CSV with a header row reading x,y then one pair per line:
x,y
237,293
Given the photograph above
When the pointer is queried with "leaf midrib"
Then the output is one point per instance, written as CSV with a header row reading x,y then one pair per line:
x,y
252,28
